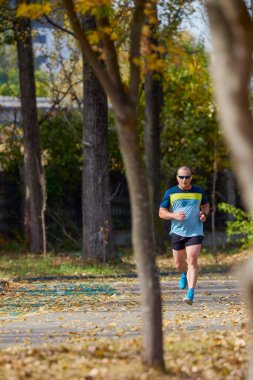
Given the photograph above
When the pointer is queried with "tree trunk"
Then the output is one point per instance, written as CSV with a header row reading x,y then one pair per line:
x,y
152,130
35,193
232,34
125,101
143,243
97,221
153,94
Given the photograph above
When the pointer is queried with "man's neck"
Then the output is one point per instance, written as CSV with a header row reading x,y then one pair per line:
x,y
185,188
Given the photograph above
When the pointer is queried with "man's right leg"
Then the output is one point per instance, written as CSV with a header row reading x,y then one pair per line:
x,y
181,265
180,260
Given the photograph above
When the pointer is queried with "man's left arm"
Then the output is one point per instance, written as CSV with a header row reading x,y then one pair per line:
x,y
204,211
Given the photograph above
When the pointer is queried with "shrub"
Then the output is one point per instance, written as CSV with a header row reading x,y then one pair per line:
x,y
241,227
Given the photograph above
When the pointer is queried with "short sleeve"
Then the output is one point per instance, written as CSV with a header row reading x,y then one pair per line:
x,y
166,200
204,198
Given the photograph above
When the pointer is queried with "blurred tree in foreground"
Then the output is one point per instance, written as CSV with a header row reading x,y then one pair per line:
x,y
232,38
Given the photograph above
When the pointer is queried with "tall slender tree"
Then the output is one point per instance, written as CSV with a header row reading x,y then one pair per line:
x,y
124,100
35,189
153,107
97,221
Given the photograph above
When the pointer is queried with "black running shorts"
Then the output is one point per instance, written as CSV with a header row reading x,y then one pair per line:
x,y
180,242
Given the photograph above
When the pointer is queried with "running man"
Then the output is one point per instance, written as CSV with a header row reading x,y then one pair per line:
x,y
187,208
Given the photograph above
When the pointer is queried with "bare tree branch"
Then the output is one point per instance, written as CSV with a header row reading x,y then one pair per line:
x,y
57,26
116,192
56,217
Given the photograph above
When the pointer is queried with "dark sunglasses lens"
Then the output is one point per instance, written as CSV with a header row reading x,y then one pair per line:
x,y
184,176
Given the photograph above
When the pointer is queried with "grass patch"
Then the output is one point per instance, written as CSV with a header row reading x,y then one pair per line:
x,y
31,265
224,261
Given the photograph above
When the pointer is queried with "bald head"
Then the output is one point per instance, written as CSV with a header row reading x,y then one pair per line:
x,y
184,169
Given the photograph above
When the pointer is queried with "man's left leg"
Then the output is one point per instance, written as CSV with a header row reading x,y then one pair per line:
x,y
192,253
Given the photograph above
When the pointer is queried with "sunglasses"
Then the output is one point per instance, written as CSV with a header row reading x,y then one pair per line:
x,y
184,176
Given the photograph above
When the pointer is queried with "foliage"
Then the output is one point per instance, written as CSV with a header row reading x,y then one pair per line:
x,y
9,76
119,15
61,138
62,151
61,145
33,11
9,83
241,227
190,129
11,147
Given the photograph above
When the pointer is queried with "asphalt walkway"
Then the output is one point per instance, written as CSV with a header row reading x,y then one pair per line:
x,y
115,313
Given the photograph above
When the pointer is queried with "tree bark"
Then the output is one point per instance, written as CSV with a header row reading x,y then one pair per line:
x,y
143,244
97,220
35,193
152,130
213,196
232,36
153,95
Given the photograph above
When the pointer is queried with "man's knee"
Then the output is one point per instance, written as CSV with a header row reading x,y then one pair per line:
x,y
180,266
192,261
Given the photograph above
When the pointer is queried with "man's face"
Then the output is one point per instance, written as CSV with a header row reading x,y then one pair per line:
x,y
184,179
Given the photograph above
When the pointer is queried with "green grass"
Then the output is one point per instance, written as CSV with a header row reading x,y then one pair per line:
x,y
31,265
19,264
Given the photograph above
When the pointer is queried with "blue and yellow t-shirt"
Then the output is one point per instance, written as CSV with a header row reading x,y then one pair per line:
x,y
187,201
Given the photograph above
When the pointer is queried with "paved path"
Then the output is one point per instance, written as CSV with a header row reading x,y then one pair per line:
x,y
217,306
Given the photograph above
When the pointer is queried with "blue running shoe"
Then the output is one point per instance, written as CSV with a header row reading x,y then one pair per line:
x,y
189,297
182,281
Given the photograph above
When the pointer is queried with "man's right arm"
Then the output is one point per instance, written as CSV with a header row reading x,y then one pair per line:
x,y
165,214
